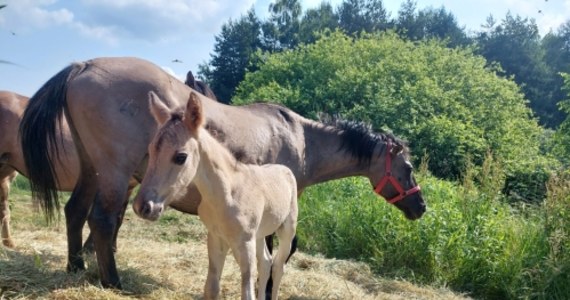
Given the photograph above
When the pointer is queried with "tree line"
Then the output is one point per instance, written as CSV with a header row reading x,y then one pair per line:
x,y
512,46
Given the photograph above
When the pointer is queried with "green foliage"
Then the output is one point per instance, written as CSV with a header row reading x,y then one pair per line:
x,y
233,48
444,101
468,240
562,135
452,143
281,30
362,15
515,43
429,23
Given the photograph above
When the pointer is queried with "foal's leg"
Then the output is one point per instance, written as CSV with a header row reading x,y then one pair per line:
x,y
244,253
7,174
217,251
263,267
285,234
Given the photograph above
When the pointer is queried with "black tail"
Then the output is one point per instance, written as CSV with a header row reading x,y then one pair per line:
x,y
39,135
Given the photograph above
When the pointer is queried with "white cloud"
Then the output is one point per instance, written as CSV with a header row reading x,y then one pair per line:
x,y
156,20
170,71
115,20
28,15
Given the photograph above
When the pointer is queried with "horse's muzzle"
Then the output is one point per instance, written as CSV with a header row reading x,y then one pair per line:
x,y
148,209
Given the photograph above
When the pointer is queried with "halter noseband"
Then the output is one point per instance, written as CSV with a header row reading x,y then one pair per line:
x,y
389,178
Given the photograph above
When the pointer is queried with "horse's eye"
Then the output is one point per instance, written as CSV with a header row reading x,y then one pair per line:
x,y
179,158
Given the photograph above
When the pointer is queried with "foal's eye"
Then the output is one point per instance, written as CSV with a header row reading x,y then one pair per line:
x,y
179,158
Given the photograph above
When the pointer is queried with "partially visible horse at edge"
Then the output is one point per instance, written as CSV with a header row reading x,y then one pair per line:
x,y
241,203
105,101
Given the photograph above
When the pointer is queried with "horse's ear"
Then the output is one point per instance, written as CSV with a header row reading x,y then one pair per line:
x,y
397,148
159,111
193,116
190,81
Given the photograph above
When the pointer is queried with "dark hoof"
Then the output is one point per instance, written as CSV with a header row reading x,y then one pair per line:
x,y
76,266
88,248
115,286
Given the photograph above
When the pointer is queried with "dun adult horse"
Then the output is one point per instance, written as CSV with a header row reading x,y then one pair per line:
x,y
241,203
12,108
106,101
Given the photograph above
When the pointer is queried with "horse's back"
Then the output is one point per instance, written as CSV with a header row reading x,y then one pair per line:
x,y
12,107
108,103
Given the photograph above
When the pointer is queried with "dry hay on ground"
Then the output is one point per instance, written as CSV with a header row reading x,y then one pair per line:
x,y
152,268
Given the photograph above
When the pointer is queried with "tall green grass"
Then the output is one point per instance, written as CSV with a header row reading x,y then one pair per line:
x,y
470,239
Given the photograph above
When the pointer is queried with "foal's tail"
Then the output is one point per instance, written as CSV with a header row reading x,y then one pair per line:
x,y
40,130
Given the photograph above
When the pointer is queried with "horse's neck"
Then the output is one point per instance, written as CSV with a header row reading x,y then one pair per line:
x,y
215,172
325,159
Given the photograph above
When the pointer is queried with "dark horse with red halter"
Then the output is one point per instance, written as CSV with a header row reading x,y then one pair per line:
x,y
106,102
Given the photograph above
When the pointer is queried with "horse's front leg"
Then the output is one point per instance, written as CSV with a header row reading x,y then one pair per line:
x,y
244,253
6,176
217,251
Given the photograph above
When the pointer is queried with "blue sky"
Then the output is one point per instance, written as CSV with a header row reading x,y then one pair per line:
x,y
43,36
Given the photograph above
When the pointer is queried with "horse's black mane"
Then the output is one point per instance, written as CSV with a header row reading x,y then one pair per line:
x,y
359,139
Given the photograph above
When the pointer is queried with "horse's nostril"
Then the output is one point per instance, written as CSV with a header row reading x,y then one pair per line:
x,y
146,208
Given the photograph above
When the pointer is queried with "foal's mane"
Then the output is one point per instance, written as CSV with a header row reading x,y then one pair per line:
x,y
166,133
359,139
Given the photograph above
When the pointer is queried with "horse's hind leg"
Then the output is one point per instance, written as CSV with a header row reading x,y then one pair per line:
x,y
76,212
286,235
263,268
7,174
103,219
88,246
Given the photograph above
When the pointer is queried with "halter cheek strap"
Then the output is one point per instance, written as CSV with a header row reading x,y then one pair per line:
x,y
391,179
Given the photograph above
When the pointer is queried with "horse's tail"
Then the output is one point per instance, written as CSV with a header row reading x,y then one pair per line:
x,y
40,130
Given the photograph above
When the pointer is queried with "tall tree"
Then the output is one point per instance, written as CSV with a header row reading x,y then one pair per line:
x,y
316,20
430,23
516,45
362,15
232,51
556,47
281,30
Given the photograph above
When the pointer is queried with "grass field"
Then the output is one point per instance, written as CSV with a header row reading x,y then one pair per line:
x,y
168,260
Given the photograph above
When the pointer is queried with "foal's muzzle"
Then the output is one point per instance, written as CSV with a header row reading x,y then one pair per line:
x,y
149,209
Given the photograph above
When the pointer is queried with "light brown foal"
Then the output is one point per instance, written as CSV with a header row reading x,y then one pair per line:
x,y
241,203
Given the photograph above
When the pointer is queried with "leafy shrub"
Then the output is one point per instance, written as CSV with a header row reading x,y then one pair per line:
x,y
446,102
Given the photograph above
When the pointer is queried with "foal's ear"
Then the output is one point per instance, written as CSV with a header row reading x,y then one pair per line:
x,y
193,116
159,111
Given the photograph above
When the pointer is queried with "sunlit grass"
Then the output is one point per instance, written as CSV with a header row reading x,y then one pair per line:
x,y
471,239
167,259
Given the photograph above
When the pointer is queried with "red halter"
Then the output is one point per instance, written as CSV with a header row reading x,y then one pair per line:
x,y
389,178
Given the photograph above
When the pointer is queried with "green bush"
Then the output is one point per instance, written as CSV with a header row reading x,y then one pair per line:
x,y
451,145
445,102
470,239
